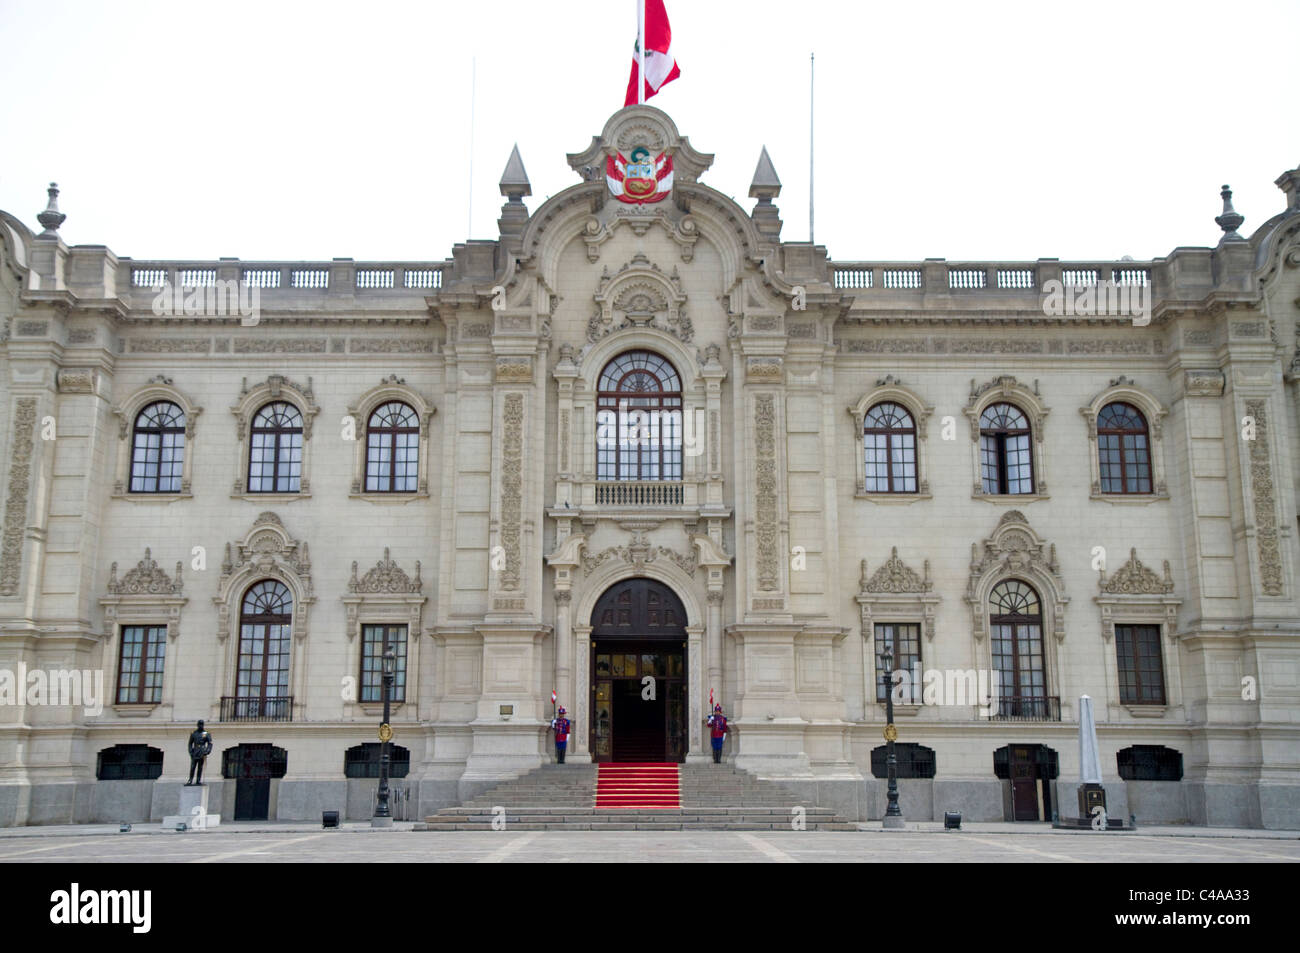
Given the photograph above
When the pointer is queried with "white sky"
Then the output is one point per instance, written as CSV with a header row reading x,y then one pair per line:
x,y
278,130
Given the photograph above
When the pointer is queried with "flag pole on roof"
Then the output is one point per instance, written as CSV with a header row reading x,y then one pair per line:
x,y
653,63
640,51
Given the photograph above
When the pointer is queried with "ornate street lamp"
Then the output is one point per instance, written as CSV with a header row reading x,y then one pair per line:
x,y
893,814
382,816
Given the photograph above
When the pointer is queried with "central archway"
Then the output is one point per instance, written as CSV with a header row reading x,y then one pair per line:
x,y
638,674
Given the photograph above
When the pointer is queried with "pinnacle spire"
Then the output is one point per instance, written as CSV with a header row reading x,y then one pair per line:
x,y
1230,220
514,180
766,186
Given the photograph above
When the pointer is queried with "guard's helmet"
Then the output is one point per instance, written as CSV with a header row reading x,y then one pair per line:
x,y
717,708
562,711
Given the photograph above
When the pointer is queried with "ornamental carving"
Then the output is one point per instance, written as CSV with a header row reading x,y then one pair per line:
x,y
640,295
1133,578
275,387
147,578
1203,383
76,380
769,559
897,593
20,467
385,577
512,455
1136,594
1015,550
896,576
1261,482
638,554
764,369
146,595
514,369
266,550
1007,388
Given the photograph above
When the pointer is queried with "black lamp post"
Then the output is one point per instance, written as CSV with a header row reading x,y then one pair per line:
x,y
893,814
382,816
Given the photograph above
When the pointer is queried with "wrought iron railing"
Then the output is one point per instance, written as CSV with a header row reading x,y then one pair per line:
x,y
253,708
1028,708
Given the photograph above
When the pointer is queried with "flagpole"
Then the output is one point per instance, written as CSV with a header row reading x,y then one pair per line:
x,y
640,51
473,88
812,65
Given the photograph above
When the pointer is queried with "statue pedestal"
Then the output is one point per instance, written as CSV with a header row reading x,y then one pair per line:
x,y
193,814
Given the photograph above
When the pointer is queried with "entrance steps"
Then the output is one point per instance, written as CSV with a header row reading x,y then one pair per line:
x,y
710,797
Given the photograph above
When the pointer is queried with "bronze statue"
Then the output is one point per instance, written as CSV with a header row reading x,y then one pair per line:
x,y
200,748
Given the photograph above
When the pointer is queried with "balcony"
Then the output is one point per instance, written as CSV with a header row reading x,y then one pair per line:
x,y
639,493
1028,708
257,709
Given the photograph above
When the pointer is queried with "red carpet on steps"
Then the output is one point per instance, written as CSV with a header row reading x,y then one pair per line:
x,y
637,785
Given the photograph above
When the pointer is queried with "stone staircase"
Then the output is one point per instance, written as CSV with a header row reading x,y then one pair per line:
x,y
714,797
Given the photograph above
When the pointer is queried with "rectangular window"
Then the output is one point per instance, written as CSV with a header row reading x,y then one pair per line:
x,y
1141,671
375,641
905,639
157,462
140,666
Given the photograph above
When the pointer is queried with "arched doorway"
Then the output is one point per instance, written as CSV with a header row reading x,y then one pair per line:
x,y
638,674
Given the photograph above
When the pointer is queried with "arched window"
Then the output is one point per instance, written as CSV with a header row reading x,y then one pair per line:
x,y
1006,457
362,761
1123,449
639,419
1016,630
889,443
158,449
262,687
275,453
393,449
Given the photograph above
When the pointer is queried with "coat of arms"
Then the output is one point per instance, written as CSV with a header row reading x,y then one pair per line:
x,y
640,178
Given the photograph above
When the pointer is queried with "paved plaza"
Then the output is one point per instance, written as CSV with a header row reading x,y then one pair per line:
x,y
982,843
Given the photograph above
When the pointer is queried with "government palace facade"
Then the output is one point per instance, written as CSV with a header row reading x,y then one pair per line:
x,y
641,452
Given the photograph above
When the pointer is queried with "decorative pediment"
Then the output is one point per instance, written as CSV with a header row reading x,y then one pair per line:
x,y
266,551
1136,594
145,595
897,593
147,578
639,553
1015,551
640,294
386,576
895,576
384,594
1133,578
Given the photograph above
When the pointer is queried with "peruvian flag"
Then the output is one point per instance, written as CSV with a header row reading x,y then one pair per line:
x,y
660,66
552,697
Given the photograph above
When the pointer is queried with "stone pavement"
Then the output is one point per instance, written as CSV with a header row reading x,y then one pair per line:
x,y
356,842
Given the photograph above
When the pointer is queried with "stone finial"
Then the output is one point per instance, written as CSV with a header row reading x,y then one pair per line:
x,y
1230,220
766,186
514,180
51,218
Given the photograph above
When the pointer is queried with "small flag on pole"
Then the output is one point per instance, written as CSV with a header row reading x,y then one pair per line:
x,y
655,50
552,696
710,699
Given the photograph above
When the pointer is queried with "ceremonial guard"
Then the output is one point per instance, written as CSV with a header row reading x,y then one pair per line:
x,y
718,723
560,725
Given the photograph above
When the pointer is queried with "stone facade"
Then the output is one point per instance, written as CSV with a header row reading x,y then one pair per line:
x,y
783,557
